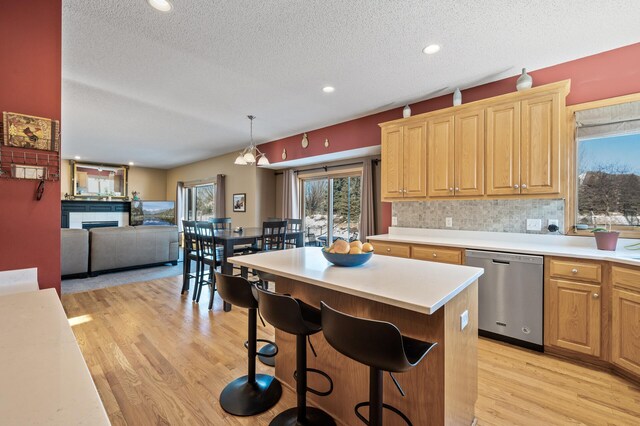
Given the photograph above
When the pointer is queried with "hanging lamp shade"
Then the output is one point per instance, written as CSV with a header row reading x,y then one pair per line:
x,y
251,154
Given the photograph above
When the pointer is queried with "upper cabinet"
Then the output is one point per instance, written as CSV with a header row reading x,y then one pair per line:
x,y
455,154
510,145
404,161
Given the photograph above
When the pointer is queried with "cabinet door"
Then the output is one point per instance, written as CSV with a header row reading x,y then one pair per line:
x,y
469,153
440,142
574,316
392,167
415,160
625,330
503,149
540,145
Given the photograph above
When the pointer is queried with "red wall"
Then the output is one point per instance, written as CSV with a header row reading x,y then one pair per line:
x,y
605,75
30,82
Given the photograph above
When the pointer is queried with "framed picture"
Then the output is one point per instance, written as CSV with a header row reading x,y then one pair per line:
x,y
26,131
239,202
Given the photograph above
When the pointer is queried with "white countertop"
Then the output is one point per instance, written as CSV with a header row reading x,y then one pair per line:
x,y
407,283
43,378
550,245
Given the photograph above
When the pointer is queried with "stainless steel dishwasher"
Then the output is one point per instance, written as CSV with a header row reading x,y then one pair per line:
x,y
510,297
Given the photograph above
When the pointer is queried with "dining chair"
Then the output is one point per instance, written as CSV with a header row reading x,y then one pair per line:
x,y
221,223
293,225
208,258
190,254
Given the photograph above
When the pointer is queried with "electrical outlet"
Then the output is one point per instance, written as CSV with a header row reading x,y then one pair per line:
x,y
464,320
554,222
534,224
448,222
394,221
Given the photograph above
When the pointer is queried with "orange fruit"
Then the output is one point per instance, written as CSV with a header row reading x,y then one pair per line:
x,y
341,246
356,243
367,247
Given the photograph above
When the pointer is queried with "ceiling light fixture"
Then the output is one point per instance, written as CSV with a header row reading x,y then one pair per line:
x,y
161,5
77,157
431,49
251,154
131,163
328,89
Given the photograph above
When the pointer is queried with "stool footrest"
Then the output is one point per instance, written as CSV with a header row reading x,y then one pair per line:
x,y
385,406
268,342
323,374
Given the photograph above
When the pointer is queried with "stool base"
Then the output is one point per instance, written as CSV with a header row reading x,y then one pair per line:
x,y
242,398
268,350
315,417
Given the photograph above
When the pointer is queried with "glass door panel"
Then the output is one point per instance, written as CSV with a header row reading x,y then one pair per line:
x,y
316,207
345,208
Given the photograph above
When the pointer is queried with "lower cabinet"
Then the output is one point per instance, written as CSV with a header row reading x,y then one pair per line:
x,y
437,254
625,319
573,316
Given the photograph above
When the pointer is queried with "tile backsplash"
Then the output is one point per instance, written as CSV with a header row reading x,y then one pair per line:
x,y
479,215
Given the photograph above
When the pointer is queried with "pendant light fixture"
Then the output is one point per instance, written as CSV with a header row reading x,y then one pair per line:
x,y
251,154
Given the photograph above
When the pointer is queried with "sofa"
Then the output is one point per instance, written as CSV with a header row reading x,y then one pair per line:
x,y
105,249
131,246
74,252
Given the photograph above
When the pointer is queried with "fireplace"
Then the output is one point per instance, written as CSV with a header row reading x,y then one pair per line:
x,y
75,213
99,224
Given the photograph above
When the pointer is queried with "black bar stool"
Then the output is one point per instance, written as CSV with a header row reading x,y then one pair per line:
x,y
254,393
296,317
380,346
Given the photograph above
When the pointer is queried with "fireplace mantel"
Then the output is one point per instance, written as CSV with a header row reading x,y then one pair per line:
x,y
89,206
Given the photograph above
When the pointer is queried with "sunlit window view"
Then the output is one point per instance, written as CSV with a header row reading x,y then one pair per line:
x,y
332,208
609,181
201,202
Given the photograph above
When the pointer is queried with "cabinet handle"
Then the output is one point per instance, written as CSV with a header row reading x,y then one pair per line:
x,y
516,186
388,249
435,255
574,271
596,295
450,189
457,189
524,186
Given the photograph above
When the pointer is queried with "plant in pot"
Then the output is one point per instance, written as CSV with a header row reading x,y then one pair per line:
x,y
606,239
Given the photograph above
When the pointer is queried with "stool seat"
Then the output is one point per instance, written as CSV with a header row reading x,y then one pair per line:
x,y
388,351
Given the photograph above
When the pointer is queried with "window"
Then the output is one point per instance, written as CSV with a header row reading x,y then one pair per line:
x,y
608,165
200,201
609,181
331,208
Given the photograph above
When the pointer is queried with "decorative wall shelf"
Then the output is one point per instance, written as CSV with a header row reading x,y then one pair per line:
x,y
22,163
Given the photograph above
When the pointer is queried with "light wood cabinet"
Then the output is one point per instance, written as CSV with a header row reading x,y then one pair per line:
x,y
392,249
540,145
437,254
456,154
625,319
523,146
575,270
573,320
404,161
503,149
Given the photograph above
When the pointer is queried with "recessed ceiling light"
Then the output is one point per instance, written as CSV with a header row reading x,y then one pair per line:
x,y
161,5
431,49
131,163
328,89
77,157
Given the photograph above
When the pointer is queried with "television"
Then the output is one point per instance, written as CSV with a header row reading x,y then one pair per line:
x,y
152,213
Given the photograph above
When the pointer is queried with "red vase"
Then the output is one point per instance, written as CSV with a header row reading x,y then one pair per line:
x,y
606,240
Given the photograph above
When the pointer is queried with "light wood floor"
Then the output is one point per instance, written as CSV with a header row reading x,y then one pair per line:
x,y
158,359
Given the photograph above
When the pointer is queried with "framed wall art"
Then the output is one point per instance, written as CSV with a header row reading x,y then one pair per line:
x,y
239,202
27,131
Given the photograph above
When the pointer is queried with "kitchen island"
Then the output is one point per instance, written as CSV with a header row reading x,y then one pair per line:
x,y
426,301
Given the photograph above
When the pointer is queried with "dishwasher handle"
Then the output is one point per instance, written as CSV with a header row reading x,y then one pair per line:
x,y
504,258
500,262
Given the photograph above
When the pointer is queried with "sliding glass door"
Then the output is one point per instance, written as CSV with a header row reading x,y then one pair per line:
x,y
331,208
201,202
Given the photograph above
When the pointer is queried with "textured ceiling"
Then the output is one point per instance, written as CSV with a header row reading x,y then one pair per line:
x,y
167,89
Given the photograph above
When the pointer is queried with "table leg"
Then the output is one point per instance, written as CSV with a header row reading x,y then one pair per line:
x,y
227,268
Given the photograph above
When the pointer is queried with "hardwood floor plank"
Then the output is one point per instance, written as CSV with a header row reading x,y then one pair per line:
x,y
159,359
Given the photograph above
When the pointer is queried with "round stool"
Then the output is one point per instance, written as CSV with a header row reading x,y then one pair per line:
x,y
254,393
296,317
388,351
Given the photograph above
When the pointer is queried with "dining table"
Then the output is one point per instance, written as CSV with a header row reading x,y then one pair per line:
x,y
230,239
